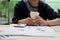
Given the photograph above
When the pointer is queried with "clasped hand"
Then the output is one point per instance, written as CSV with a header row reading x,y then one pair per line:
x,y
33,22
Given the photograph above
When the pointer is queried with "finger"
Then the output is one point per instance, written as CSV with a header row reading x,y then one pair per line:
x,y
38,17
37,20
30,23
36,24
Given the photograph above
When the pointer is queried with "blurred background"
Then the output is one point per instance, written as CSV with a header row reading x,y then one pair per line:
x,y
7,9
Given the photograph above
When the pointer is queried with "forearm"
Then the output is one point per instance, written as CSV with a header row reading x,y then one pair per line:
x,y
22,21
54,22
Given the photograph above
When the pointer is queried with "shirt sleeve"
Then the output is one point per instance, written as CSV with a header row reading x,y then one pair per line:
x,y
51,13
17,13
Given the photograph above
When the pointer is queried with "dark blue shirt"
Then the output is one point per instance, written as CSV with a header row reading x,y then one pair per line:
x,y
21,11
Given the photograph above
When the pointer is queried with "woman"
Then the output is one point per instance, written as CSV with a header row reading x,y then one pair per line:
x,y
22,13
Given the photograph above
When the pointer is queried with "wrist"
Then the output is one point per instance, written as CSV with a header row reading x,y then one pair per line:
x,y
18,21
47,23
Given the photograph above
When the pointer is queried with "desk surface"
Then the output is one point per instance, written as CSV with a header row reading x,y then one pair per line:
x,y
36,38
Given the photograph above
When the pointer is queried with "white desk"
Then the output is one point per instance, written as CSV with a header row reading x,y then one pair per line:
x,y
38,38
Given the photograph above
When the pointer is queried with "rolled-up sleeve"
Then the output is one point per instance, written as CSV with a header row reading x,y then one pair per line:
x,y
51,13
17,13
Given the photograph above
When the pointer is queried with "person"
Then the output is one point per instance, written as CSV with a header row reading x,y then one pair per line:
x,y
47,16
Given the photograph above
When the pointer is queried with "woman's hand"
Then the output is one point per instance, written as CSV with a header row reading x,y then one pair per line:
x,y
26,21
39,21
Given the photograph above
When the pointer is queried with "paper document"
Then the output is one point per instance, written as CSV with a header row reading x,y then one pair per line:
x,y
28,31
